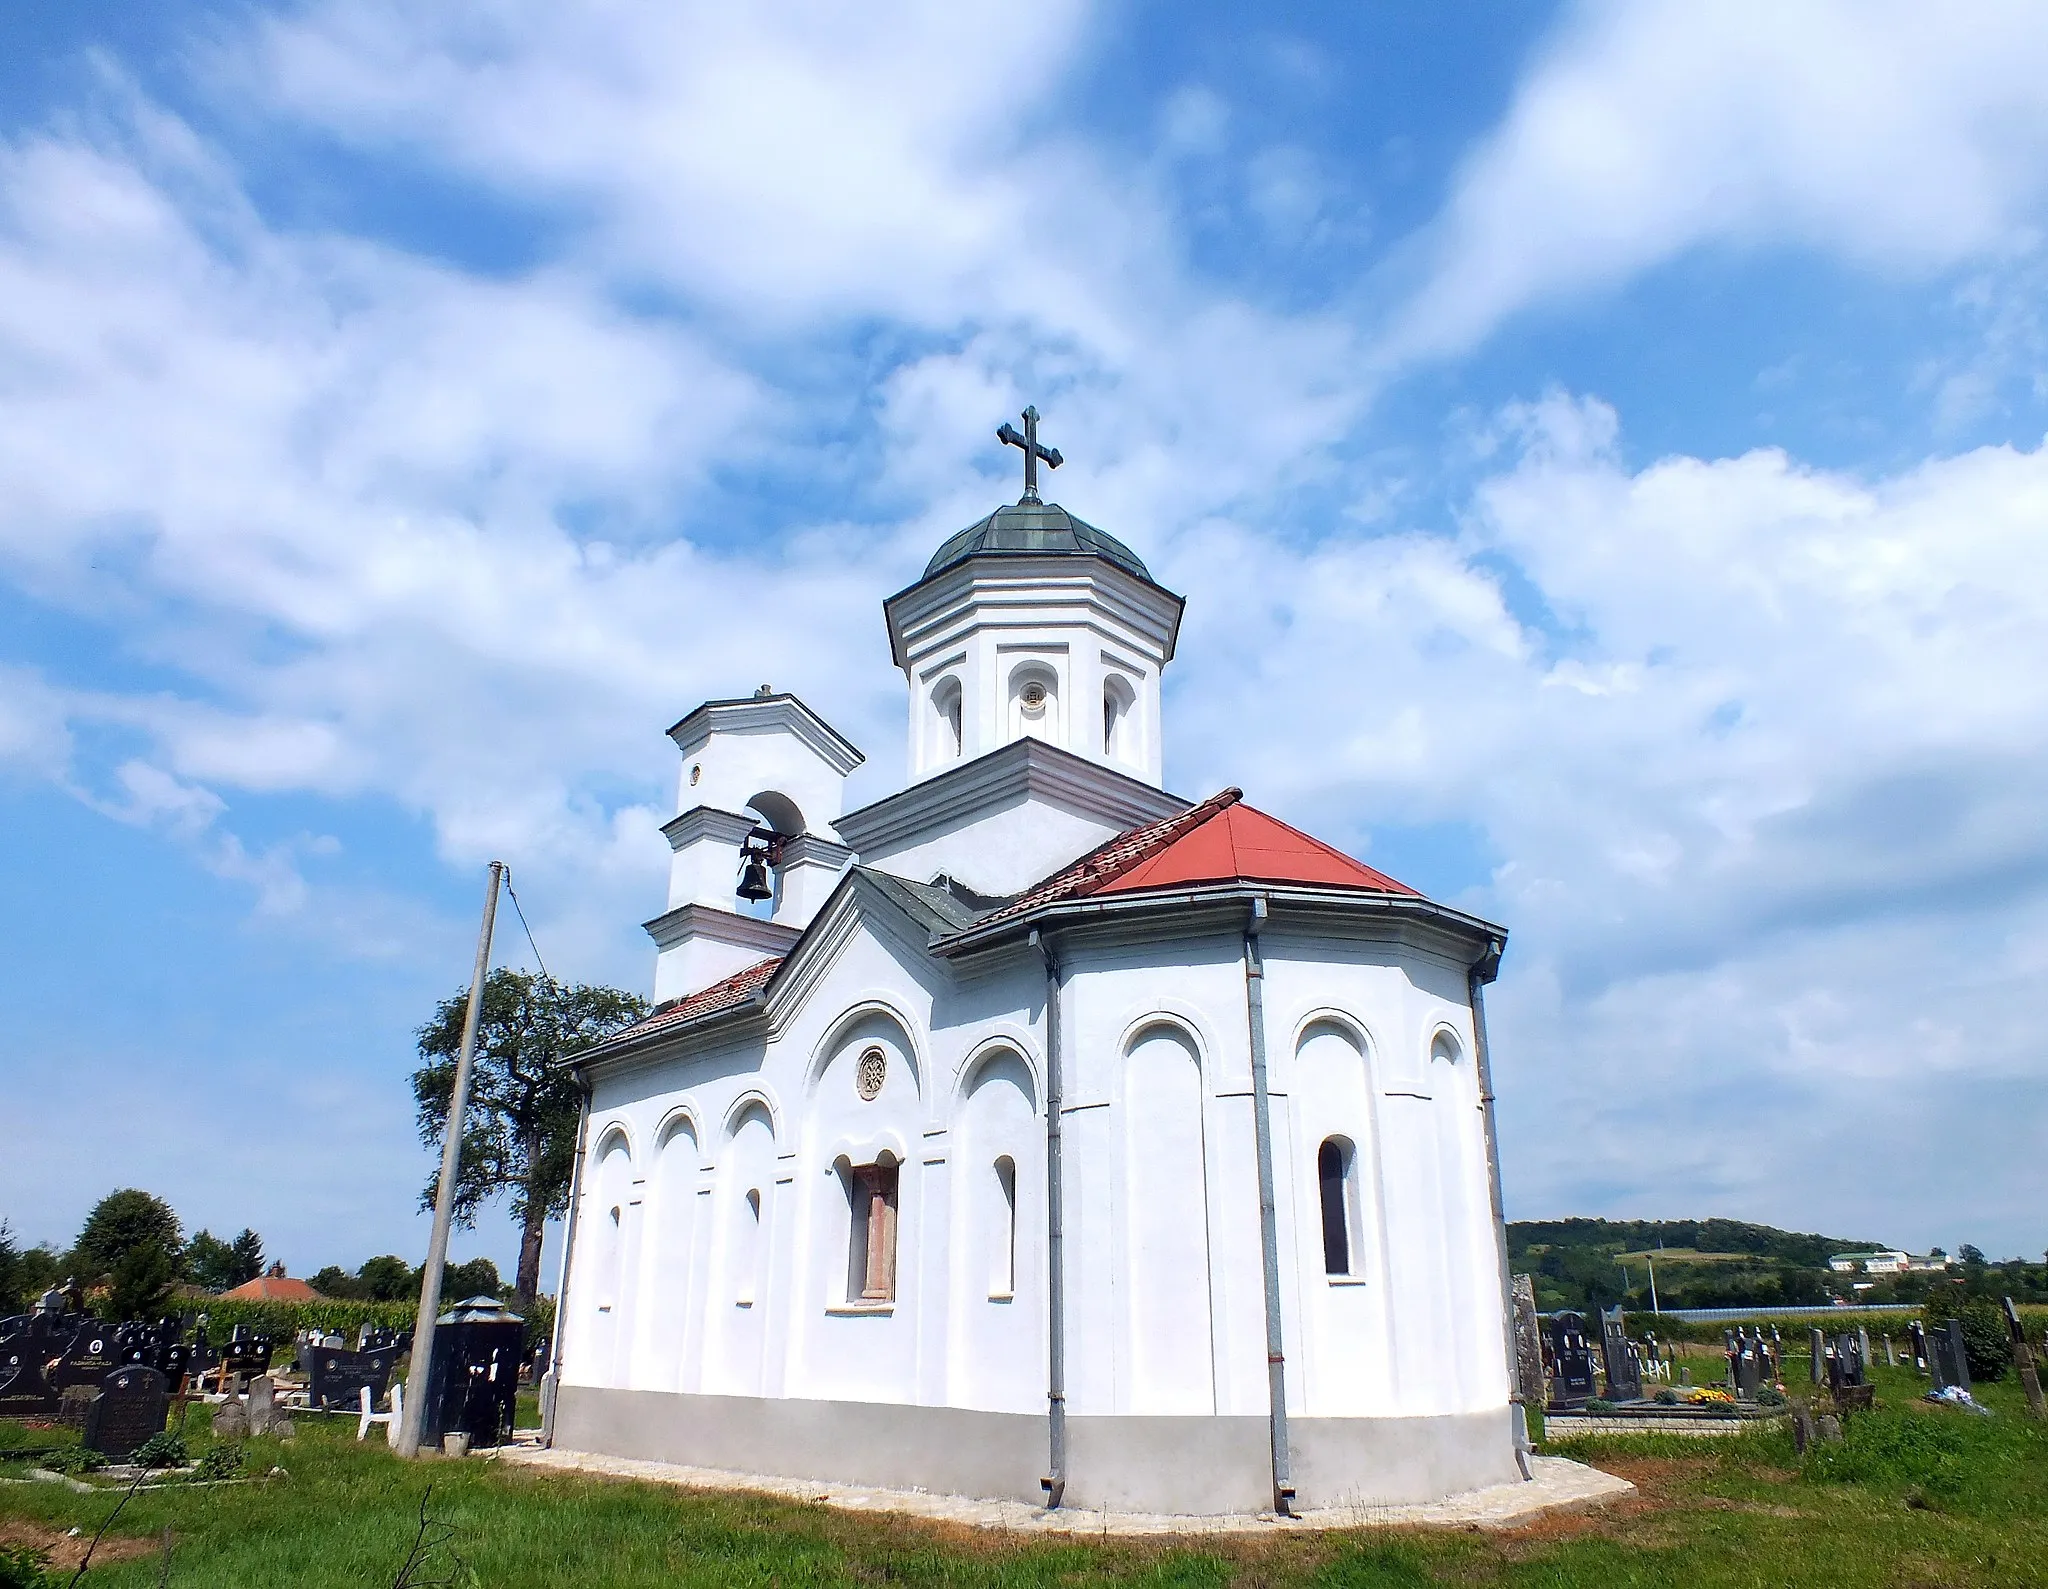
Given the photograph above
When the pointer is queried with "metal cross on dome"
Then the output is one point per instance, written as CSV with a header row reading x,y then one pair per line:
x,y
1028,440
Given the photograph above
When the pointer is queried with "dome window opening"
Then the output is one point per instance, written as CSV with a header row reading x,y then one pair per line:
x,y
947,719
1034,703
1119,737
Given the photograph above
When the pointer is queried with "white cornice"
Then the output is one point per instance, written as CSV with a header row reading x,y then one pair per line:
x,y
1010,581
708,822
1020,770
720,926
768,714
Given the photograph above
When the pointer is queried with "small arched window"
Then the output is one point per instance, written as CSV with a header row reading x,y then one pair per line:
x,y
946,720
1117,734
1336,1174
749,1265
1002,1282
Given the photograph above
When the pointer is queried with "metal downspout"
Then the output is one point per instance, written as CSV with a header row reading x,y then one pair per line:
x,y
1269,1221
1055,1481
1476,979
547,1433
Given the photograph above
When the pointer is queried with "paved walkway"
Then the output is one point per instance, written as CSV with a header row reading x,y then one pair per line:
x,y
1559,1486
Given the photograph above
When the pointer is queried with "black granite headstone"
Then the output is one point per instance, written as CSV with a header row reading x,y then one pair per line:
x,y
337,1377
1950,1362
1571,1361
130,1409
87,1358
25,1391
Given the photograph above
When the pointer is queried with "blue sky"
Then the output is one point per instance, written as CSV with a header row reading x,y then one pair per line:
x,y
1601,446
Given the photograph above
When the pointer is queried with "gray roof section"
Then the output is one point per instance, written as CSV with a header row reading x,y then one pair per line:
x,y
938,910
1034,529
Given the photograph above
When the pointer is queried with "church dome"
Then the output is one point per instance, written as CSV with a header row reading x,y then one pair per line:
x,y
1033,529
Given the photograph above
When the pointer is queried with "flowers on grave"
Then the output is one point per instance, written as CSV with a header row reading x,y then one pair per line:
x,y
1708,1396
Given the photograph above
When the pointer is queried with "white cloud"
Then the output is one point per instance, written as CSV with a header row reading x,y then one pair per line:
x,y
1763,787
1753,745
1894,134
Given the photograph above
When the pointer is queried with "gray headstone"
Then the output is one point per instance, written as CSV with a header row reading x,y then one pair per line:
x,y
1817,1355
230,1421
262,1404
130,1408
1624,1372
1528,1342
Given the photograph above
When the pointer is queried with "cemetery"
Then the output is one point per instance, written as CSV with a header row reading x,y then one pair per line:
x,y
1908,1480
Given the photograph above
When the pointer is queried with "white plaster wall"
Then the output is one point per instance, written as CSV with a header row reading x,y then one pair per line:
x,y
1160,1168
1072,617
732,766
1000,851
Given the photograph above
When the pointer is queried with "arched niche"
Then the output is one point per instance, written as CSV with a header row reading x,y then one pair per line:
x,y
1119,723
835,1063
1033,704
1165,1222
777,811
948,719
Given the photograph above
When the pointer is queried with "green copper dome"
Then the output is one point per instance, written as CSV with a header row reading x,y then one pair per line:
x,y
1033,529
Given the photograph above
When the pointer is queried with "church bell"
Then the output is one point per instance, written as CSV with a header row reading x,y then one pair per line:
x,y
754,880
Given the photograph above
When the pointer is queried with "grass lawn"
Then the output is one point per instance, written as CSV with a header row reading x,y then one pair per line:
x,y
1917,1496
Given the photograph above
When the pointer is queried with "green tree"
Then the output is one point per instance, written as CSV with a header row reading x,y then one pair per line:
x,y
335,1281
477,1278
10,1271
519,1136
140,1285
121,1225
248,1251
210,1262
388,1279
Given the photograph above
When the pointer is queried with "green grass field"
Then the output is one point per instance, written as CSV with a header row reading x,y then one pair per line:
x,y
1916,1496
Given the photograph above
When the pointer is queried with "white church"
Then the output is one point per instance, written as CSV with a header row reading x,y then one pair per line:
x,y
1034,1133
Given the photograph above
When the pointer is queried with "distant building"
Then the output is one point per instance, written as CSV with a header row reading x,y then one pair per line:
x,y
276,1286
1890,1261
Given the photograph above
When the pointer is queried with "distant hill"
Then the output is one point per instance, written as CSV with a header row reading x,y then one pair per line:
x,y
1700,1263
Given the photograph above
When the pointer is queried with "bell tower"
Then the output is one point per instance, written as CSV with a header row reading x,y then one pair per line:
x,y
755,849
1034,624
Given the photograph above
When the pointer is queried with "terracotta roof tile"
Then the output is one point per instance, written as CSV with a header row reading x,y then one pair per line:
x,y
1220,840
1242,843
726,994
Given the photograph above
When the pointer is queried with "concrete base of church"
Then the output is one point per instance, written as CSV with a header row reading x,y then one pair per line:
x,y
1198,1466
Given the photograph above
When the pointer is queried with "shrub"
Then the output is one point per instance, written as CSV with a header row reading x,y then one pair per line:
x,y
1667,1397
164,1449
217,1462
76,1459
1986,1344
1599,1404
1770,1396
24,1567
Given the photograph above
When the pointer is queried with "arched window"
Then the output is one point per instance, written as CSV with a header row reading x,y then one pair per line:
x,y
1002,1283
946,720
871,1231
748,1268
1117,733
1336,1162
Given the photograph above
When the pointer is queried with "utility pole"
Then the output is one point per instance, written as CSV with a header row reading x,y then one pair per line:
x,y
408,1441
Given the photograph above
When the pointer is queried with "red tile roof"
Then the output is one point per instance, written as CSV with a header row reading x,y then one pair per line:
x,y
272,1288
1242,844
1113,858
1221,840
733,990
